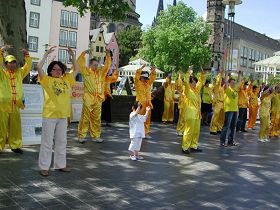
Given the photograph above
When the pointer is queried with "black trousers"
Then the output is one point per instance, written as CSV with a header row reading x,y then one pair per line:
x,y
242,118
106,110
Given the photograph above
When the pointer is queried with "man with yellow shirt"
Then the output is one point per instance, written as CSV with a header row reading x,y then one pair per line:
x,y
218,117
242,107
143,84
94,80
275,113
11,99
169,91
206,106
253,93
231,110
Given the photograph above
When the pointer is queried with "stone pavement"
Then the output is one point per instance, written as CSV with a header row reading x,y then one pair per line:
x,y
103,176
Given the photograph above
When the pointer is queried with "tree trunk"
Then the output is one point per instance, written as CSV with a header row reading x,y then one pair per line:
x,y
13,27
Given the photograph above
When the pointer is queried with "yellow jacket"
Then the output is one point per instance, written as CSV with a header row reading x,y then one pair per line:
x,y
93,81
265,104
231,99
275,103
242,96
207,95
193,98
143,89
253,96
218,91
169,91
180,87
11,92
108,81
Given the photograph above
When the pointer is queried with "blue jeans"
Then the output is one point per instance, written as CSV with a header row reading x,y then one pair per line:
x,y
242,118
229,123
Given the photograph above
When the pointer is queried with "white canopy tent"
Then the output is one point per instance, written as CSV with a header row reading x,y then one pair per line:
x,y
269,66
130,69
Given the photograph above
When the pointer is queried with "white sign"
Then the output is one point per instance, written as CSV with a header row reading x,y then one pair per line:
x,y
33,99
31,126
76,112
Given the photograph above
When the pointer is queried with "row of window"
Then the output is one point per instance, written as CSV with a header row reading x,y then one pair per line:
x,y
249,56
35,2
63,56
68,38
69,19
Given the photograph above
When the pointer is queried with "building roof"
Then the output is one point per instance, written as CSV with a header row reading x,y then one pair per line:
x,y
108,37
94,33
242,32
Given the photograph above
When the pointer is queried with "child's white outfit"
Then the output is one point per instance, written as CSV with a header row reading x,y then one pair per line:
x,y
136,130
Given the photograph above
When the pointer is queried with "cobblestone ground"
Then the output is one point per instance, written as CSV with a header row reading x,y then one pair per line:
x,y
103,176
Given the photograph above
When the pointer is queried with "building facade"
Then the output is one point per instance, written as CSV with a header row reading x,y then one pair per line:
x,y
97,44
112,44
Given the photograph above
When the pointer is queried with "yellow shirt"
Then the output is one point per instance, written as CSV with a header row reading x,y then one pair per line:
x,y
193,98
231,99
275,103
169,91
11,92
181,89
108,81
218,91
253,96
57,95
242,96
206,95
265,105
143,89
94,81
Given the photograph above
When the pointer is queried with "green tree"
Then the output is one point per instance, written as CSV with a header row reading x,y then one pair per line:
x,y
179,39
129,43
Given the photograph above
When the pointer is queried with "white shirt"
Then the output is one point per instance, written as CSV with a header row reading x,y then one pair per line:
x,y
136,125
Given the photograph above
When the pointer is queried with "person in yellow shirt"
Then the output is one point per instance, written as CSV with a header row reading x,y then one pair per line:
x,y
193,114
231,110
275,113
242,107
57,86
218,117
94,80
253,93
11,99
181,105
265,113
106,105
169,92
206,106
143,84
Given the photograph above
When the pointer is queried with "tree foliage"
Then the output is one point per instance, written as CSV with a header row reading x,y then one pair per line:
x,y
111,9
178,40
129,43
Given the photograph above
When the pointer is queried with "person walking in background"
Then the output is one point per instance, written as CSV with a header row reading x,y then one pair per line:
x,y
12,99
193,108
242,107
231,110
253,93
57,86
218,117
143,85
169,91
136,130
94,83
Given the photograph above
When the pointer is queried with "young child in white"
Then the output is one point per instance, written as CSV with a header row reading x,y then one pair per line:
x,y
136,130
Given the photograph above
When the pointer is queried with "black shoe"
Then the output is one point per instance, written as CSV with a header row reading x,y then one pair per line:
x,y
186,151
232,144
18,151
196,150
213,133
219,132
243,130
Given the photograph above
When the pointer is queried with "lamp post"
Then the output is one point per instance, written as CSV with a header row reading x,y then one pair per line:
x,y
230,32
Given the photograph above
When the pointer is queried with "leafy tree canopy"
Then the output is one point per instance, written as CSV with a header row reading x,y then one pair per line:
x,y
129,43
111,9
178,40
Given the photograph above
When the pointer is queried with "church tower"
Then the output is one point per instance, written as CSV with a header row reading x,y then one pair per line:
x,y
160,8
216,19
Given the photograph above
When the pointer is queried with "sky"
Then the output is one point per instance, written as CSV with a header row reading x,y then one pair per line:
x,y
259,15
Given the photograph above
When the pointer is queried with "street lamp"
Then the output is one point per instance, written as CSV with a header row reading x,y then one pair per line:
x,y
230,31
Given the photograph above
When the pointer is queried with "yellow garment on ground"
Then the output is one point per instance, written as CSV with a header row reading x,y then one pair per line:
x,y
57,95
169,93
108,81
181,105
218,117
207,95
265,115
231,99
193,114
94,83
253,105
11,100
275,116
242,96
143,95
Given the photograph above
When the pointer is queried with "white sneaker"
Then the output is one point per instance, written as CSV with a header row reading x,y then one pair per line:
x,y
98,140
262,140
139,158
132,157
148,136
81,141
266,140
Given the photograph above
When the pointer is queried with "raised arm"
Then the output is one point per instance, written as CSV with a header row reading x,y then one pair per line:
x,y
201,80
28,63
138,72
81,61
42,61
239,78
107,63
115,75
74,62
187,80
153,75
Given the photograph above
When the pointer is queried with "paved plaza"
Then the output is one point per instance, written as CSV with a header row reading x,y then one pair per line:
x,y
103,176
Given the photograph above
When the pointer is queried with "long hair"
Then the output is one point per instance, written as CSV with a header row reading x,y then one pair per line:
x,y
53,63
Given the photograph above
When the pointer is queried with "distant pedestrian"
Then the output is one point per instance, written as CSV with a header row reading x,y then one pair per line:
x,y
136,130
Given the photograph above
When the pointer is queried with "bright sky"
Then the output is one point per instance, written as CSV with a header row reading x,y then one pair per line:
x,y
259,15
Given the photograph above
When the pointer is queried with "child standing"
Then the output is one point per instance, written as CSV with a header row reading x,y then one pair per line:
x,y
136,130
57,85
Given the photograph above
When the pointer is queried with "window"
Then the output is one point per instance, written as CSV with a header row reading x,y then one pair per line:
x,y
100,38
36,2
72,39
62,55
102,49
251,58
63,38
34,19
243,56
73,20
97,48
64,18
33,43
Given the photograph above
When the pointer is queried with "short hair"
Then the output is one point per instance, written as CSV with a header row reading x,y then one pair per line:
x,y
265,88
53,63
231,79
135,105
92,60
193,78
207,81
255,87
